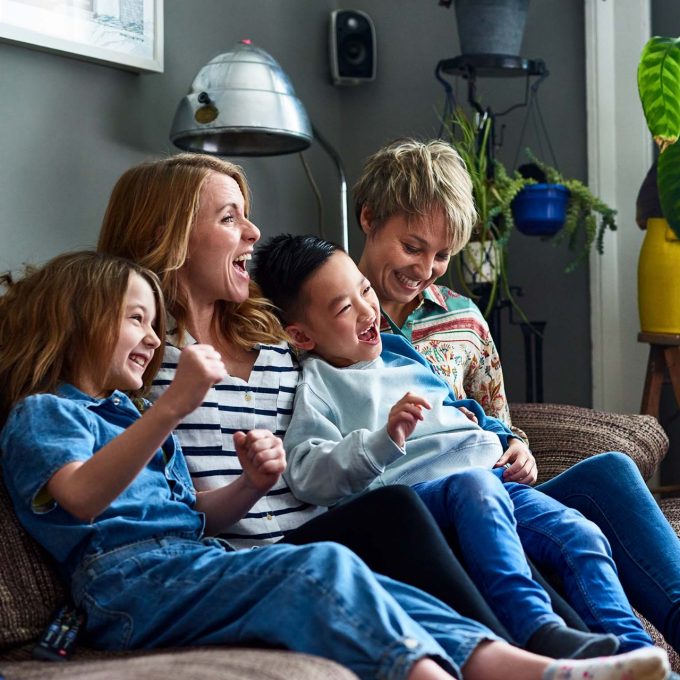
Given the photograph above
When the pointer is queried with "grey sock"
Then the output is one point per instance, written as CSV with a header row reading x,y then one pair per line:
x,y
559,642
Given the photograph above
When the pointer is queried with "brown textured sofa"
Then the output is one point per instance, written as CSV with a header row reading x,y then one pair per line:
x,y
30,590
561,435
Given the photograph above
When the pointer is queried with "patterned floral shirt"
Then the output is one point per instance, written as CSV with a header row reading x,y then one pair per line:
x,y
450,331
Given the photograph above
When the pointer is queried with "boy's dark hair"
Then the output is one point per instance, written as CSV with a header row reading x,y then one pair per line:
x,y
281,266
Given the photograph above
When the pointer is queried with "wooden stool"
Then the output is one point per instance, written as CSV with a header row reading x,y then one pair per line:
x,y
664,353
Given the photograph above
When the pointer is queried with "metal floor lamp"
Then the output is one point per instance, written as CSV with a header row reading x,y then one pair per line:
x,y
241,103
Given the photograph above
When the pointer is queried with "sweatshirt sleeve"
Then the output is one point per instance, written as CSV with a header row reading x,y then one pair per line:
x,y
394,345
323,466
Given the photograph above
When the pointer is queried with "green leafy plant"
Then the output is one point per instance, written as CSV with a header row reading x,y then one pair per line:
x,y
493,188
658,79
494,191
581,227
587,217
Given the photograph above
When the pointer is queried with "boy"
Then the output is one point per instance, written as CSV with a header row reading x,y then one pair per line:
x,y
353,427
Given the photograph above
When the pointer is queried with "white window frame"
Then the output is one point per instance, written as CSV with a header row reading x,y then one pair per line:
x,y
619,155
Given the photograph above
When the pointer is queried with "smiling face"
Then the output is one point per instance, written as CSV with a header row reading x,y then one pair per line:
x,y
341,314
220,244
404,256
136,342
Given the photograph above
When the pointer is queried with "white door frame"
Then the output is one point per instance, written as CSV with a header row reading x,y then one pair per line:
x,y
619,155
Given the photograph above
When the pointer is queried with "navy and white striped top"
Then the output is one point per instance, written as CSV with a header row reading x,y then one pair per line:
x,y
206,436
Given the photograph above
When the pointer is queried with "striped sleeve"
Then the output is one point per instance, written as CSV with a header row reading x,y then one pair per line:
x,y
206,437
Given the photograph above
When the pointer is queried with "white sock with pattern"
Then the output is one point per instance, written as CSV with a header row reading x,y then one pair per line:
x,y
649,663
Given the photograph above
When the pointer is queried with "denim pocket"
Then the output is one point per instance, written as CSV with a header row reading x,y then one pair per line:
x,y
107,628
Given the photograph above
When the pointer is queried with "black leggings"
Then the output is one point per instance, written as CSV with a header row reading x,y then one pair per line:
x,y
392,530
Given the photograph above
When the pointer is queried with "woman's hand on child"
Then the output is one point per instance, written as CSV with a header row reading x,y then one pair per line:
x,y
404,417
199,368
468,414
262,458
521,461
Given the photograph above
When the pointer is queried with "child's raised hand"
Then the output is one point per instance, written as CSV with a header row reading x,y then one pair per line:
x,y
199,367
468,414
262,458
404,417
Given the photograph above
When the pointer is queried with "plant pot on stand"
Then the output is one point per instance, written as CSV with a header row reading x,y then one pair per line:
x,y
480,267
481,262
491,26
659,279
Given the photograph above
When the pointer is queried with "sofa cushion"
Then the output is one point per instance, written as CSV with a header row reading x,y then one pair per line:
x,y
30,590
188,664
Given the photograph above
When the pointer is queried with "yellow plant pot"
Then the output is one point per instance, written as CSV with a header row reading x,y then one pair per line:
x,y
659,279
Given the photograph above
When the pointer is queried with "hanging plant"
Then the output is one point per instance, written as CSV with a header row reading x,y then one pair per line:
x,y
587,217
540,209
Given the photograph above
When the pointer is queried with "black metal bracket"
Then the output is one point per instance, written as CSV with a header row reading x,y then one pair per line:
x,y
473,66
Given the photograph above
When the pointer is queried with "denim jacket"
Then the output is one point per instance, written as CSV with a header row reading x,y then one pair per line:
x,y
44,432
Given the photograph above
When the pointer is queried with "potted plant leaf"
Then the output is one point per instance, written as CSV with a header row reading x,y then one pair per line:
x,y
483,262
497,193
658,79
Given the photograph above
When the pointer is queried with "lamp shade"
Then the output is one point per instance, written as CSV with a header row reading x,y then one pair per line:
x,y
241,103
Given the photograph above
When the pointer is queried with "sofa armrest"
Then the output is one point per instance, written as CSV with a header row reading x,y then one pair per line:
x,y
561,435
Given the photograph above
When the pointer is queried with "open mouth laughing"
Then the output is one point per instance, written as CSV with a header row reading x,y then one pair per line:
x,y
140,359
406,282
240,262
370,334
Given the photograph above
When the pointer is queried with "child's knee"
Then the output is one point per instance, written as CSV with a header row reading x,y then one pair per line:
x,y
331,559
584,535
479,482
478,489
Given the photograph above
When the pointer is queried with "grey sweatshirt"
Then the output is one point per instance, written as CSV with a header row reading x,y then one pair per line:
x,y
337,442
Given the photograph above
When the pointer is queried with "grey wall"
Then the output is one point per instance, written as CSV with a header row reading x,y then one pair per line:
x,y
69,128
665,17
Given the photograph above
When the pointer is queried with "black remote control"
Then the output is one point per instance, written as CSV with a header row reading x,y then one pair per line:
x,y
59,638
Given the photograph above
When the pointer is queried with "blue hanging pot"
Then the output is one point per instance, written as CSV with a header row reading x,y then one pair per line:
x,y
540,209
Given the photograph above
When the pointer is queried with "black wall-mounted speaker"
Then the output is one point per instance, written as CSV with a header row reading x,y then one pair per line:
x,y
352,47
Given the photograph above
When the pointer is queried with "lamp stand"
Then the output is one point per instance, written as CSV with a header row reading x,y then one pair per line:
x,y
335,156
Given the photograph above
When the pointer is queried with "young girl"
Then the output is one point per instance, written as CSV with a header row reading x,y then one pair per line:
x,y
106,491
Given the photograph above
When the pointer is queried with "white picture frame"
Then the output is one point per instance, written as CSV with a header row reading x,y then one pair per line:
x,y
126,34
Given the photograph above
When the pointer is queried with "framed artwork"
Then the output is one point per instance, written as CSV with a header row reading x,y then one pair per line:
x,y
123,33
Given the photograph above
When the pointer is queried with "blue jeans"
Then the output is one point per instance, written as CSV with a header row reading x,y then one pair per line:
x,y
319,599
609,490
497,523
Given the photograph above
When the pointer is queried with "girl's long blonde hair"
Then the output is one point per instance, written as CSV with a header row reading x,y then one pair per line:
x,y
62,320
150,215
